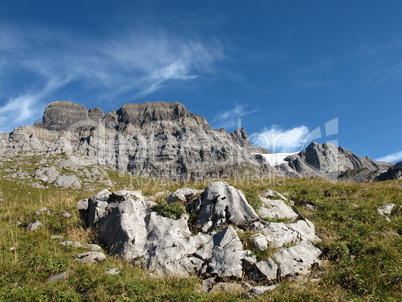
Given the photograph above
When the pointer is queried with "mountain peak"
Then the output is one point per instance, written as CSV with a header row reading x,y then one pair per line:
x,y
160,115
62,114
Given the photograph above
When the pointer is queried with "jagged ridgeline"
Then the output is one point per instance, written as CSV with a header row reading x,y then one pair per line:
x,y
159,140
165,140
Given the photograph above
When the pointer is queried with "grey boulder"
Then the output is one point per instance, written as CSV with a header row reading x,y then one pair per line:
x,y
276,209
72,243
298,259
183,195
112,271
221,205
33,226
58,277
91,257
46,174
386,209
265,270
276,233
68,182
259,290
306,230
260,243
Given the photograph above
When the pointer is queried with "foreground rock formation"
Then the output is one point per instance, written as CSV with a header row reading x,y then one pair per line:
x,y
208,240
165,140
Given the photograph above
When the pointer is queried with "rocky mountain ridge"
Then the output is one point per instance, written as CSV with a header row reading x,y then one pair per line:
x,y
165,140
394,172
318,160
159,140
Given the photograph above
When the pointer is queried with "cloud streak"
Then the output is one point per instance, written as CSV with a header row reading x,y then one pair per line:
x,y
230,119
382,61
25,108
135,63
279,140
394,157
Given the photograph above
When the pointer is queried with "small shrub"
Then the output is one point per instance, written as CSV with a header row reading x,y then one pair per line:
x,y
253,199
172,210
248,244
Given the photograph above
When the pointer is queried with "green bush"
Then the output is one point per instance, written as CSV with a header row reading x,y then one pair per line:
x,y
172,210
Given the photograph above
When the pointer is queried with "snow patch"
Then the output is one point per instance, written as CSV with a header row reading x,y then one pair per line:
x,y
276,159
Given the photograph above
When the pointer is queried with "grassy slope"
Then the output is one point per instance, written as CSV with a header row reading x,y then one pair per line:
x,y
365,261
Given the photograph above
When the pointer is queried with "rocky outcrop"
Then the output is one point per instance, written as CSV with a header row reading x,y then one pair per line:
x,y
63,115
33,225
276,209
221,205
296,259
68,182
331,162
203,242
91,257
183,195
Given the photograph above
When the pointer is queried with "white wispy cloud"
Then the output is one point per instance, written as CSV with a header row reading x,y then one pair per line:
x,y
134,63
279,140
382,60
25,108
394,157
229,119
178,70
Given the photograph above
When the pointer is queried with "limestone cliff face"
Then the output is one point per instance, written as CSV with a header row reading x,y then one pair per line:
x,y
162,140
62,115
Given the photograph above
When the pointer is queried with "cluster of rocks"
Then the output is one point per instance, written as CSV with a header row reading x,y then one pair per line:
x,y
70,173
165,140
207,240
78,169
94,255
36,224
386,210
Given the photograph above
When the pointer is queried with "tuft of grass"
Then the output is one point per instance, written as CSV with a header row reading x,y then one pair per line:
x,y
171,210
248,244
284,220
252,196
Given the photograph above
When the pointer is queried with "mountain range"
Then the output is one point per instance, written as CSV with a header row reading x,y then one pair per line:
x,y
165,140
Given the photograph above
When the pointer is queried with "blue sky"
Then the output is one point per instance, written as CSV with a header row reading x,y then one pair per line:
x,y
287,71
